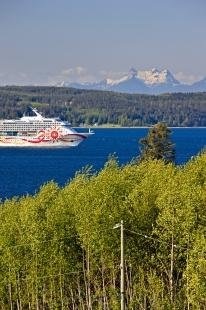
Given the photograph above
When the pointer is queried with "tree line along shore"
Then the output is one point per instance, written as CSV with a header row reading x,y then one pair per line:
x,y
88,108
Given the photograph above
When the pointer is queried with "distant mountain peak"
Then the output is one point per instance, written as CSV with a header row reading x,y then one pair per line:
x,y
155,70
132,72
132,75
155,76
153,81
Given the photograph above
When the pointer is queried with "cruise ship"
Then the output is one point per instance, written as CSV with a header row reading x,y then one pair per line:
x,y
39,131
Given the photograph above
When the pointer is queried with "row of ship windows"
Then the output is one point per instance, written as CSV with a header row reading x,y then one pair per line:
x,y
26,124
20,128
23,126
30,124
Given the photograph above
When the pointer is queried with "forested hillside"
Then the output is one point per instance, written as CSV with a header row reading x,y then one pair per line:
x,y
85,107
58,249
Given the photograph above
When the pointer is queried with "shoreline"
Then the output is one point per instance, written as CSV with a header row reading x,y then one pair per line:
x,y
136,127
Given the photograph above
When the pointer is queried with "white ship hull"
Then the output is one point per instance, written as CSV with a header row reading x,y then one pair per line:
x,y
24,141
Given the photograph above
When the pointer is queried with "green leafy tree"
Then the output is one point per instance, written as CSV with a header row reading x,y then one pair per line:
x,y
195,272
58,248
157,144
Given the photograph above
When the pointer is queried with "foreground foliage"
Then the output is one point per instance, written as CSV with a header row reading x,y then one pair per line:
x,y
58,249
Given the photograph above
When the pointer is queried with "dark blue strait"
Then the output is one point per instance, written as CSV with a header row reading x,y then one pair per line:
x,y
24,170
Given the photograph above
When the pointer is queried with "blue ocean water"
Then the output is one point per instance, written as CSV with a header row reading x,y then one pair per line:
x,y
24,170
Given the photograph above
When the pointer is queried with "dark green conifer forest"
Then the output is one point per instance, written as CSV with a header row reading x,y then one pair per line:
x,y
58,248
87,107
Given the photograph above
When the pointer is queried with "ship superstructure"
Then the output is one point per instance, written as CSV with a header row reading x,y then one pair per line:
x,y
39,131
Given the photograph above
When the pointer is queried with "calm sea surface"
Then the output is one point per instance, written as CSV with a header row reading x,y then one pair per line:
x,y
24,170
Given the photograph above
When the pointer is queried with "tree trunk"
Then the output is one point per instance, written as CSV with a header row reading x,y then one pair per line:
x,y
171,271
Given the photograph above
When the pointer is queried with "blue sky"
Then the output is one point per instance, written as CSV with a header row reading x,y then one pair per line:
x,y
47,41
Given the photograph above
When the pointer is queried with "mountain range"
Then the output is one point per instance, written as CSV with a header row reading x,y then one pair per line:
x,y
152,81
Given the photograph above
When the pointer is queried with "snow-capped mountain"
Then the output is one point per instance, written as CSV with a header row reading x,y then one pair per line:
x,y
129,83
154,76
152,81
